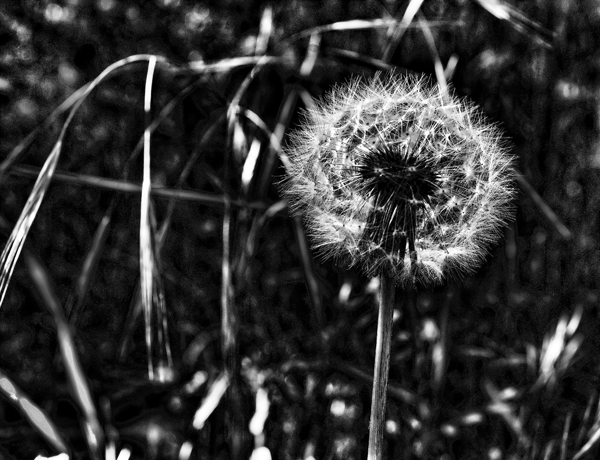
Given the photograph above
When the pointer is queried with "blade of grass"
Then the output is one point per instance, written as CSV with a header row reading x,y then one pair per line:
x,y
123,186
77,300
283,121
264,31
565,436
548,213
15,153
451,66
499,406
307,100
506,12
146,259
310,275
220,66
312,53
439,353
229,336
409,14
249,167
211,400
593,440
152,299
12,250
253,235
394,391
361,58
274,140
585,419
135,308
124,454
36,417
13,247
16,240
542,206
234,106
303,247
229,322
78,384
226,65
359,24
437,63
257,424
233,228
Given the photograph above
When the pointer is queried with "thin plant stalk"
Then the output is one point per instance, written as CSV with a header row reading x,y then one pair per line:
x,y
387,293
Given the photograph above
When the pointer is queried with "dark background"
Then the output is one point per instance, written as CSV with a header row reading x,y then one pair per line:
x,y
535,72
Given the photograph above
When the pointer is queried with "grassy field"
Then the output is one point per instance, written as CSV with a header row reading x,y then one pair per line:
x,y
158,300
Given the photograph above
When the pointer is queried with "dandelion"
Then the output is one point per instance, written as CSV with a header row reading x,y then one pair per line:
x,y
403,181
397,178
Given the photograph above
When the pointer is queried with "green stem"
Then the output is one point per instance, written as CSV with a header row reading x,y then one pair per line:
x,y
382,366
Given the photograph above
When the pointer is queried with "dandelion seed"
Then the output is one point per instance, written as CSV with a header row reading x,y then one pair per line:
x,y
403,181
395,178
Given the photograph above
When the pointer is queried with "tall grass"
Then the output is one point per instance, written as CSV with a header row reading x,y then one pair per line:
x,y
184,315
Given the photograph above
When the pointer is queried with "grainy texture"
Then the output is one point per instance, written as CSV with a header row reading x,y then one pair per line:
x,y
505,366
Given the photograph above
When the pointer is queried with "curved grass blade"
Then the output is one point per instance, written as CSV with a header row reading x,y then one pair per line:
x,y
359,24
16,152
13,247
25,143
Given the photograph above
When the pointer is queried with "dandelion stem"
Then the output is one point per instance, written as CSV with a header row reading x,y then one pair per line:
x,y
382,366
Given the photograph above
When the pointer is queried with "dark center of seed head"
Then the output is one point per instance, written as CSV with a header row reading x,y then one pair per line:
x,y
393,178
399,186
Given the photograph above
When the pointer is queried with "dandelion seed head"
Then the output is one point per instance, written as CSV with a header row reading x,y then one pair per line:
x,y
392,176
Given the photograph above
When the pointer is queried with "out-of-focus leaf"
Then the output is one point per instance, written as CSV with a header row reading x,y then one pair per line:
x,y
211,400
36,416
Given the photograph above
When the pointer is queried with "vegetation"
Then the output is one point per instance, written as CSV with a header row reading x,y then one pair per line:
x,y
158,301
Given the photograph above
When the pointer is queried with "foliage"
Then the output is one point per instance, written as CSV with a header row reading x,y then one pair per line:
x,y
162,176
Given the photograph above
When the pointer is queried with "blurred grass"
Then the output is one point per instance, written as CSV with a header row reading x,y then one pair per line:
x,y
501,366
